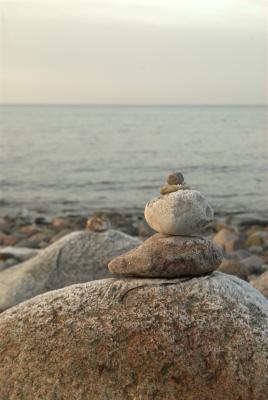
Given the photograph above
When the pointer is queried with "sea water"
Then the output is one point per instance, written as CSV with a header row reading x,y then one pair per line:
x,y
78,158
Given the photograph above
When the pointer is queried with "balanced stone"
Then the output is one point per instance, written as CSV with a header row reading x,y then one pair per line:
x,y
184,212
169,257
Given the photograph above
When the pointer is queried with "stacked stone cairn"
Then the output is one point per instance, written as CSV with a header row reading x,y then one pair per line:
x,y
179,216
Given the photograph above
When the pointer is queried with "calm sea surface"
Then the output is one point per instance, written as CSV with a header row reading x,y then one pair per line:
x,y
97,157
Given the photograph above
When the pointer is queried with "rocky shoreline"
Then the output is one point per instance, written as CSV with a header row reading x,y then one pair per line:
x,y
245,243
162,321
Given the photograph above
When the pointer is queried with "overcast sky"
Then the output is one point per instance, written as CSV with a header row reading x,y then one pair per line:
x,y
134,51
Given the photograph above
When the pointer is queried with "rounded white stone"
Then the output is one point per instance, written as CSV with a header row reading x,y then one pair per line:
x,y
185,212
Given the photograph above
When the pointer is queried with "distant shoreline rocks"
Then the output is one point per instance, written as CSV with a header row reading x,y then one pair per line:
x,y
244,246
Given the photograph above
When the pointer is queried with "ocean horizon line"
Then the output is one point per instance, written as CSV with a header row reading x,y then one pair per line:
x,y
132,105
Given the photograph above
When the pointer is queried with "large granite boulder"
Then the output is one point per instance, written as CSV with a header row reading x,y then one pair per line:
x,y
78,257
202,338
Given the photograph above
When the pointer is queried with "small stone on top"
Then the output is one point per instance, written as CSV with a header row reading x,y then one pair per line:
x,y
176,178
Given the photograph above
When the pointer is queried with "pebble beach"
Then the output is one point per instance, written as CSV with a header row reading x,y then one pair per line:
x,y
119,305
245,243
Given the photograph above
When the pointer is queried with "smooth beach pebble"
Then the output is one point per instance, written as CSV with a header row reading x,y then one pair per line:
x,y
169,257
184,212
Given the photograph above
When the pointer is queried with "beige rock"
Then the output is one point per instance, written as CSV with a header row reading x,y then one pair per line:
x,y
255,228
184,212
259,238
229,240
61,223
261,283
169,257
234,267
203,338
29,230
8,240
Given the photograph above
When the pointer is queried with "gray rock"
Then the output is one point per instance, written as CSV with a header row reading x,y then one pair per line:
x,y
5,224
144,230
253,264
78,257
60,235
247,223
203,338
19,253
10,262
238,254
2,265
28,244
256,250
242,267
169,257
